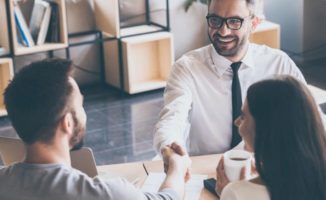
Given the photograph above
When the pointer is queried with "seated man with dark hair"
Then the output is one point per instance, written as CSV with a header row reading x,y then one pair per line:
x,y
46,109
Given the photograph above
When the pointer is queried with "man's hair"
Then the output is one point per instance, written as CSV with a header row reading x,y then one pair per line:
x,y
255,7
38,97
290,141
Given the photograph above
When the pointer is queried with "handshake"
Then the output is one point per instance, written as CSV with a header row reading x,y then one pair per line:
x,y
176,166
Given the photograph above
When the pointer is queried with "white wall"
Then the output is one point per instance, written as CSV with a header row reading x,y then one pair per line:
x,y
314,24
302,23
189,28
289,14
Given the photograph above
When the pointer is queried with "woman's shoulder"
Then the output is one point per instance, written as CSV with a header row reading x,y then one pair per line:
x,y
243,190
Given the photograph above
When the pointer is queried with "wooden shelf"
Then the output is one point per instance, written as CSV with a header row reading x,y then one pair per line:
x,y
107,18
22,50
146,85
139,30
267,33
147,60
40,48
6,74
4,39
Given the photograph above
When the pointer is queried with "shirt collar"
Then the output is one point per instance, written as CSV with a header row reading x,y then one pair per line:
x,y
221,64
248,59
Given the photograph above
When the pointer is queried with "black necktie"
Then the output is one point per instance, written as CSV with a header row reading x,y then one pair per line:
x,y
236,103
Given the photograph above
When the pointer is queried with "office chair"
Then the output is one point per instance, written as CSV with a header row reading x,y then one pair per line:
x,y
13,150
83,160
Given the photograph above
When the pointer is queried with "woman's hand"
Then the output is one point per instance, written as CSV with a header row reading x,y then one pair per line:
x,y
221,179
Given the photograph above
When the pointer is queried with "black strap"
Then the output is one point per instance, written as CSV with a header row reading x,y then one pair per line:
x,y
236,103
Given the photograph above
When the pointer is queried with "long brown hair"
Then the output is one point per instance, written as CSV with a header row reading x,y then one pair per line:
x,y
290,142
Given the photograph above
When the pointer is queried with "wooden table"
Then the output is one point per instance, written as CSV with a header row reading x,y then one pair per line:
x,y
133,172
200,165
136,172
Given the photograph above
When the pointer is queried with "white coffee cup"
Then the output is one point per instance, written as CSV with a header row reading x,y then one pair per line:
x,y
234,161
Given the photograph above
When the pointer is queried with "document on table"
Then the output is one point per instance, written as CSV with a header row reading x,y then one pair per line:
x,y
192,190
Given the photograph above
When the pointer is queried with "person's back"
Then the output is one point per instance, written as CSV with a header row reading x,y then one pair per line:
x,y
56,181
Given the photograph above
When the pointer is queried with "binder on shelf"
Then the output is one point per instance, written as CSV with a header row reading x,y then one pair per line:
x,y
20,40
22,27
2,50
53,34
40,19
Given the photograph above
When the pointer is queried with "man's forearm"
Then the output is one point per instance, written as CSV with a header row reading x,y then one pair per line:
x,y
174,180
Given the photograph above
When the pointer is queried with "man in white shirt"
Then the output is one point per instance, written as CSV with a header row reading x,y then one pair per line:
x,y
46,109
203,87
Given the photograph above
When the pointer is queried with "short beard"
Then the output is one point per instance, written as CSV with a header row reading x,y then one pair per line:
x,y
77,140
240,44
78,146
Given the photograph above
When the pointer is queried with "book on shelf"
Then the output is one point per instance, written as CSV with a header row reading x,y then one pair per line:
x,y
53,34
40,20
2,50
22,27
21,42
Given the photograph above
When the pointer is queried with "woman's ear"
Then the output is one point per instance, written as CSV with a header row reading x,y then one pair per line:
x,y
66,123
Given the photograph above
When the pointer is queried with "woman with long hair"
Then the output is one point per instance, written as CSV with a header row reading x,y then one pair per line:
x,y
281,124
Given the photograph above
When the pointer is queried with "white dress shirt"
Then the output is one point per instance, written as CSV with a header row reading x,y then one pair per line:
x,y
198,93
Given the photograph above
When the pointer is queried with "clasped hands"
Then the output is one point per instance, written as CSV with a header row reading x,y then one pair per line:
x,y
175,157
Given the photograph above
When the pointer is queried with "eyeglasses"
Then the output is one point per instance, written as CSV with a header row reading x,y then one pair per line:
x,y
233,23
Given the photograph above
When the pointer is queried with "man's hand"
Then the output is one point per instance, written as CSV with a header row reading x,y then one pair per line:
x,y
176,170
167,153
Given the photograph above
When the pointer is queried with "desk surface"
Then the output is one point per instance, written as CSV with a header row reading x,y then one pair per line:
x,y
136,173
200,165
133,172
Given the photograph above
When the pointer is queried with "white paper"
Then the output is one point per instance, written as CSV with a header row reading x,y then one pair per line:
x,y
192,190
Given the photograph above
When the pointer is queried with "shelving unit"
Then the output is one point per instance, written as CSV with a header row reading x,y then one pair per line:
x,y
22,50
267,33
149,72
4,38
10,47
107,18
136,58
146,61
6,74
140,57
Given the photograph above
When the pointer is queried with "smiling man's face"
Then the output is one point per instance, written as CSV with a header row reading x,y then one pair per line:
x,y
230,43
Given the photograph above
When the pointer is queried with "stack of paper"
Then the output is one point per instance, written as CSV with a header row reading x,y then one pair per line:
x,y
193,187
